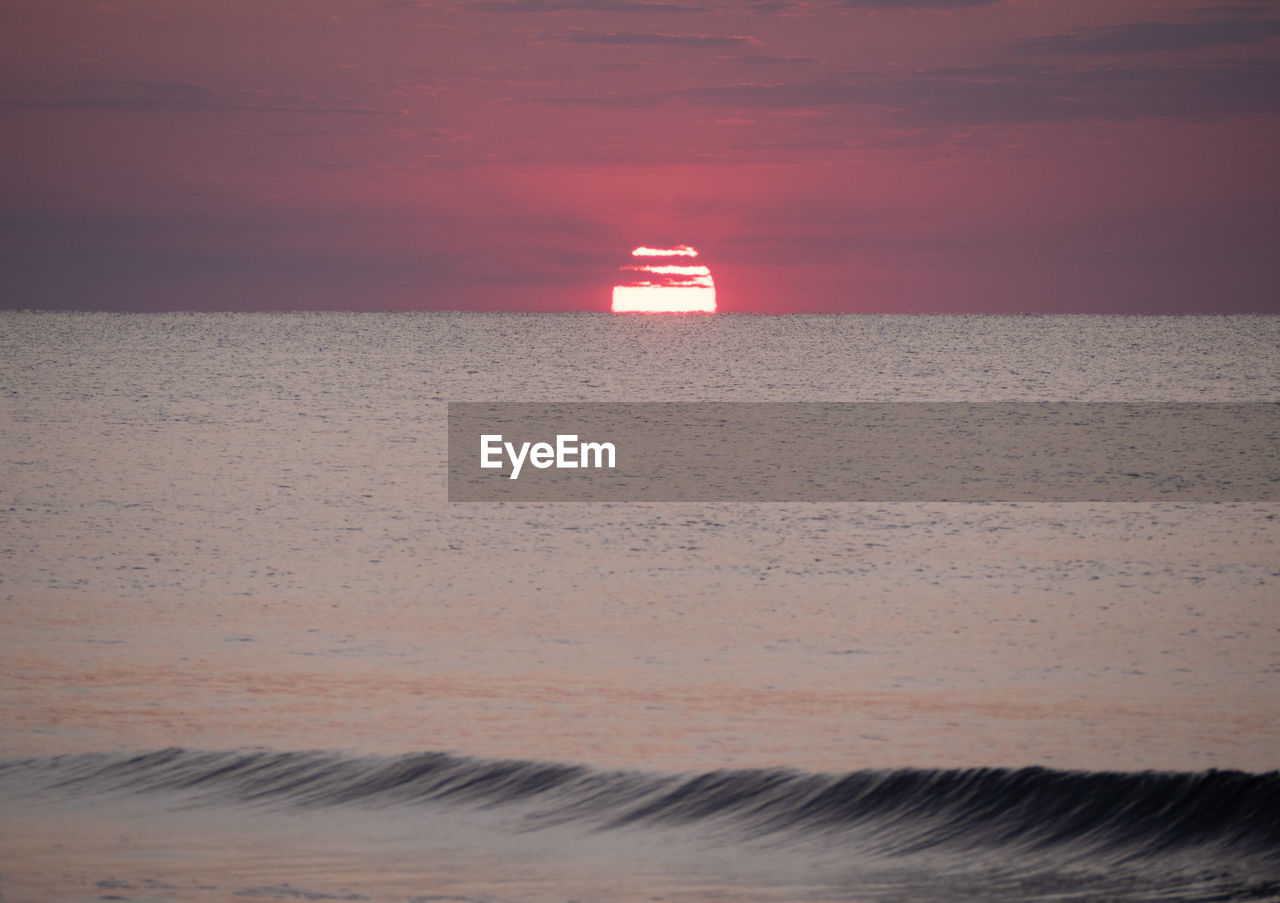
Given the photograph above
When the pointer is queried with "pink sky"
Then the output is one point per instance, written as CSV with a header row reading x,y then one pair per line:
x,y
864,155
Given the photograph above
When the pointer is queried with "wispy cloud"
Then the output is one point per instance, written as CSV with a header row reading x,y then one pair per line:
x,y
655,38
916,4
766,7
181,97
167,97
1006,93
1102,93
565,6
1155,37
763,60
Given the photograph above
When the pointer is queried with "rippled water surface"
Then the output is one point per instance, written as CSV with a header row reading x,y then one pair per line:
x,y
229,532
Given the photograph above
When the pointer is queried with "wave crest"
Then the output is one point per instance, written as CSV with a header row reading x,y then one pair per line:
x,y
1123,814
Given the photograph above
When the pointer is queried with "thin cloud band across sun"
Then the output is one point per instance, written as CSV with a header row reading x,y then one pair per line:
x,y
665,288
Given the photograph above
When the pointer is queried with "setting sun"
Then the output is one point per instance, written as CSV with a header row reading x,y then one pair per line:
x,y
665,288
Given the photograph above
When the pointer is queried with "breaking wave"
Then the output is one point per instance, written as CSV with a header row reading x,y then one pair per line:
x,y
1118,815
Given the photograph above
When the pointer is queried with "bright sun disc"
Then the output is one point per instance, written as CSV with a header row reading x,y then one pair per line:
x,y
663,286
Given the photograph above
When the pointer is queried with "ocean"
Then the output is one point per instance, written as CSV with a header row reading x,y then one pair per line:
x,y
251,651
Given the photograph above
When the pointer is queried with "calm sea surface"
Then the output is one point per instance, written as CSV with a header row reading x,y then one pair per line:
x,y
248,649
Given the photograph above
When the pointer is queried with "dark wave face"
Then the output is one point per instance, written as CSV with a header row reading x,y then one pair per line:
x,y
1208,835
